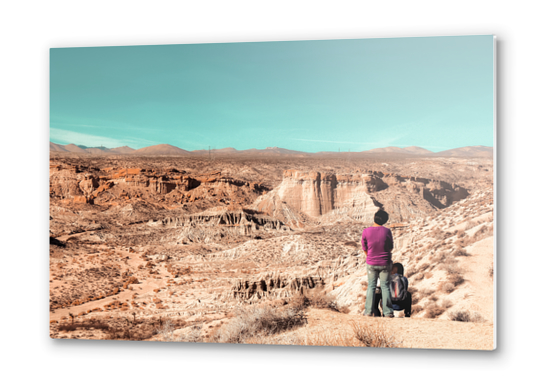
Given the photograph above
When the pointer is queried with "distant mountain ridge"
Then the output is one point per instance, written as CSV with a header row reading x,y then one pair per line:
x,y
407,150
473,151
162,149
53,147
170,150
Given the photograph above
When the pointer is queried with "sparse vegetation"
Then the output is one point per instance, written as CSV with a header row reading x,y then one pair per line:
x,y
259,321
433,310
466,316
446,303
377,336
148,253
115,329
456,279
316,298
361,335
447,287
460,252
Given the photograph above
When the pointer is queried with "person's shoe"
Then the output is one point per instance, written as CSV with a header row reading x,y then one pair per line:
x,y
390,316
368,314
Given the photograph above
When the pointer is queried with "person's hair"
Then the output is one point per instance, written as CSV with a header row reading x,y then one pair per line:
x,y
381,217
400,268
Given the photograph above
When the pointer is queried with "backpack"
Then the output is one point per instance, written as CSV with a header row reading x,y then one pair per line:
x,y
397,288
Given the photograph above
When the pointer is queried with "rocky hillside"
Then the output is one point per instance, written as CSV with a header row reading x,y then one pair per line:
x,y
137,242
326,196
448,259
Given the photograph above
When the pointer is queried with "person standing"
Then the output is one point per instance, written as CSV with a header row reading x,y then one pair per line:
x,y
377,244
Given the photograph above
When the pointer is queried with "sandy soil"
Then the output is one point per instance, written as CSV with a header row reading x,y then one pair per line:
x,y
166,240
411,332
479,280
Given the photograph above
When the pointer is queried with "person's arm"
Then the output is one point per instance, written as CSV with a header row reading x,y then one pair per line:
x,y
389,241
364,243
405,281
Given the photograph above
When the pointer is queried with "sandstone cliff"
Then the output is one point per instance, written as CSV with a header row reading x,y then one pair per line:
x,y
320,195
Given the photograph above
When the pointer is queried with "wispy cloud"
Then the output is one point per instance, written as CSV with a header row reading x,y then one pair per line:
x,y
63,136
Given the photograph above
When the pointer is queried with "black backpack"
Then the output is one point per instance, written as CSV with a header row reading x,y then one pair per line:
x,y
397,288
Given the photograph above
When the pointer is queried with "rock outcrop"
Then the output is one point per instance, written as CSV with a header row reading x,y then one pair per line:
x,y
286,284
358,195
315,194
69,182
212,225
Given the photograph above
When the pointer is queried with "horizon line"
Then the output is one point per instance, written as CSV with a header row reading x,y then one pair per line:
x,y
274,147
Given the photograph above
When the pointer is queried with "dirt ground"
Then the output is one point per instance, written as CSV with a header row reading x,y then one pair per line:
x,y
408,332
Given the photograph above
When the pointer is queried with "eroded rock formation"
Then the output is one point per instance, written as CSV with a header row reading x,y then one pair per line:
x,y
357,195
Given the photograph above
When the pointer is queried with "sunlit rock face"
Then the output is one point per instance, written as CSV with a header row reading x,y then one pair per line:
x,y
321,195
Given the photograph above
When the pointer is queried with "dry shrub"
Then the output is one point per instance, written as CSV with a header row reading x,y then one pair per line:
x,y
483,232
411,272
193,336
363,335
67,327
371,335
319,299
452,268
344,310
432,311
446,287
428,275
466,316
90,324
446,303
316,298
460,233
142,332
115,329
328,340
416,308
460,243
447,247
470,224
438,257
424,266
456,279
467,240
259,321
425,292
460,252
415,295
166,331
416,277
437,233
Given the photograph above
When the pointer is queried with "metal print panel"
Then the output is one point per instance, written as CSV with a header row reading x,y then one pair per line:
x,y
327,193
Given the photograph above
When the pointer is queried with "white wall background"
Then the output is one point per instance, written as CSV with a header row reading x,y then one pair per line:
x,y
28,29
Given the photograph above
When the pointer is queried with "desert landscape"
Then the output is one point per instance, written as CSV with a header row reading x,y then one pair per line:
x,y
263,245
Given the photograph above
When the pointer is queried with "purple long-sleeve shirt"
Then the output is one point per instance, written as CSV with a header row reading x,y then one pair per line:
x,y
378,243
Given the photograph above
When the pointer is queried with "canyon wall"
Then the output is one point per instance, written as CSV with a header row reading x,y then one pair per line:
x,y
319,195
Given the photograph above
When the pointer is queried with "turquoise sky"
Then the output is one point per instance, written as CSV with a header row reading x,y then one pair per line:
x,y
432,92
